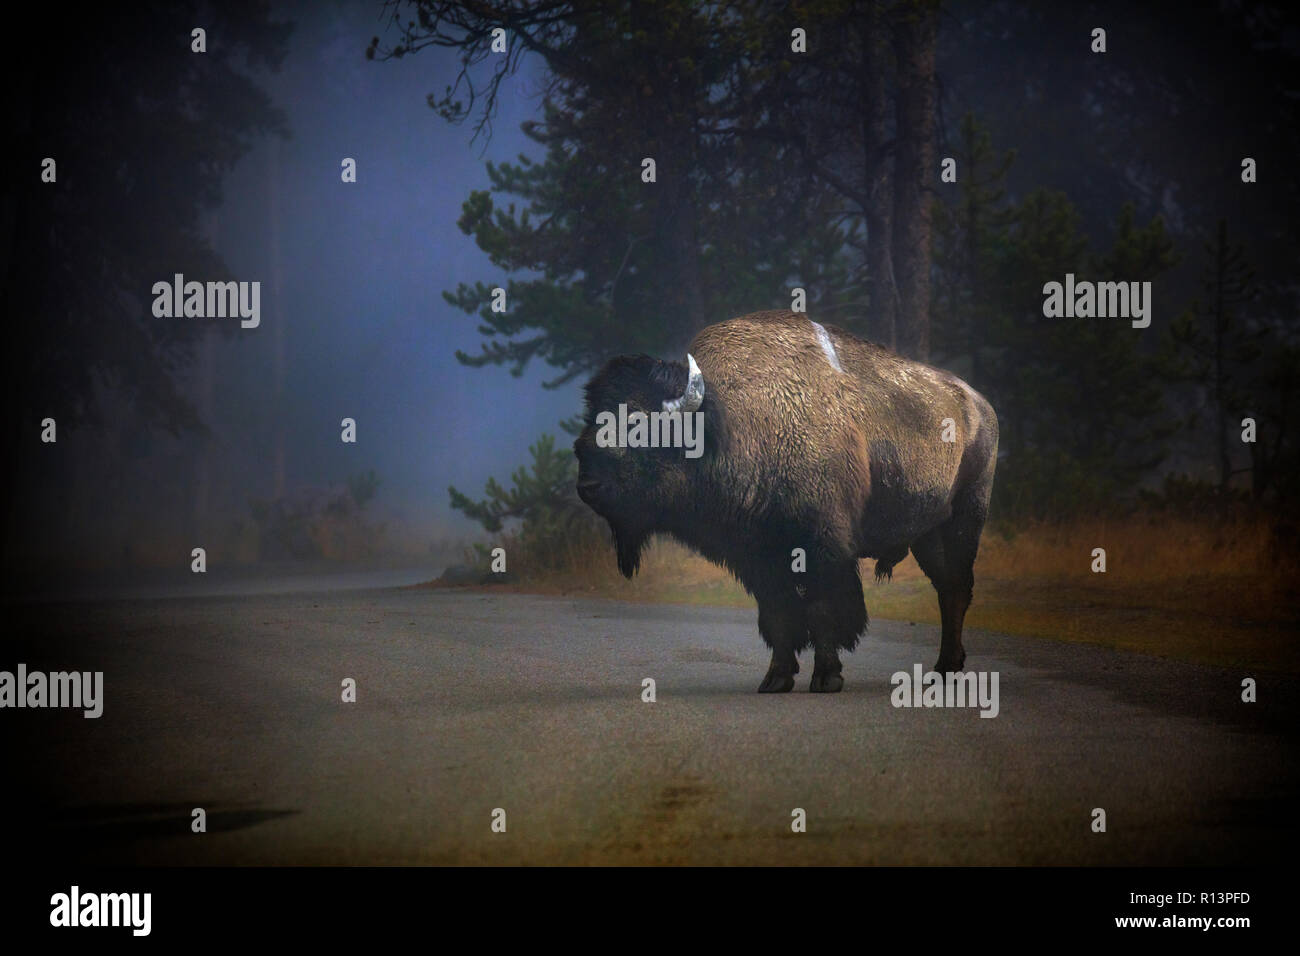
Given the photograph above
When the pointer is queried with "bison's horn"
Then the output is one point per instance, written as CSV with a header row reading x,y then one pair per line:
x,y
693,397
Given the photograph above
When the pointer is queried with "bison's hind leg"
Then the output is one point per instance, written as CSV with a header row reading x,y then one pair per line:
x,y
837,617
947,556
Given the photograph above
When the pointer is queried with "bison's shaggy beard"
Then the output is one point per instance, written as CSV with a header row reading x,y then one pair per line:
x,y
628,543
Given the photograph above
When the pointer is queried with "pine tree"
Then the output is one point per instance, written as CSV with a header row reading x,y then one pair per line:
x,y
970,234
543,498
1218,348
602,262
1082,412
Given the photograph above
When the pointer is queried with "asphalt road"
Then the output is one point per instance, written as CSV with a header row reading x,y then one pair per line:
x,y
472,701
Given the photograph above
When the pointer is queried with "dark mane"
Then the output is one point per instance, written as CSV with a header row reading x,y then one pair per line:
x,y
640,380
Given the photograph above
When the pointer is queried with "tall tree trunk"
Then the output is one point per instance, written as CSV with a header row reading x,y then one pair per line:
x,y
1220,334
206,388
882,292
915,28
277,315
670,137
22,424
682,226
685,284
974,329
973,228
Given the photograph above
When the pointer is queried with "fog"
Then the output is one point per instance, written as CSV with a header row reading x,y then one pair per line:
x,y
353,325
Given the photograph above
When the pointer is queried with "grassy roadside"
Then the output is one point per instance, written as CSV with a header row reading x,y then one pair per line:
x,y
1172,588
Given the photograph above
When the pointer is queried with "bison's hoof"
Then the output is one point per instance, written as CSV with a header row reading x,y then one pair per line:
x,y
950,665
776,683
826,683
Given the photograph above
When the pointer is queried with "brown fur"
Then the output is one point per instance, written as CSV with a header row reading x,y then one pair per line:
x,y
844,464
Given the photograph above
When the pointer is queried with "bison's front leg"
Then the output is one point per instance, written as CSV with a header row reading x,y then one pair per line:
x,y
783,625
826,677
837,616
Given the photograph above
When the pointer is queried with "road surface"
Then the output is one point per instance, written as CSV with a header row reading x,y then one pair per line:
x,y
470,701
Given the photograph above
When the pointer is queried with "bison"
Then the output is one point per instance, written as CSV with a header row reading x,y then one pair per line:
x,y
813,439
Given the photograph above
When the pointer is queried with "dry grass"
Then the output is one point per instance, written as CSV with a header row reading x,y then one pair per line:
x,y
1221,594
670,574
1218,594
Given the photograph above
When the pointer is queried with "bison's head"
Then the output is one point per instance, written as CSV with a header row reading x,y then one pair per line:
x,y
635,489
